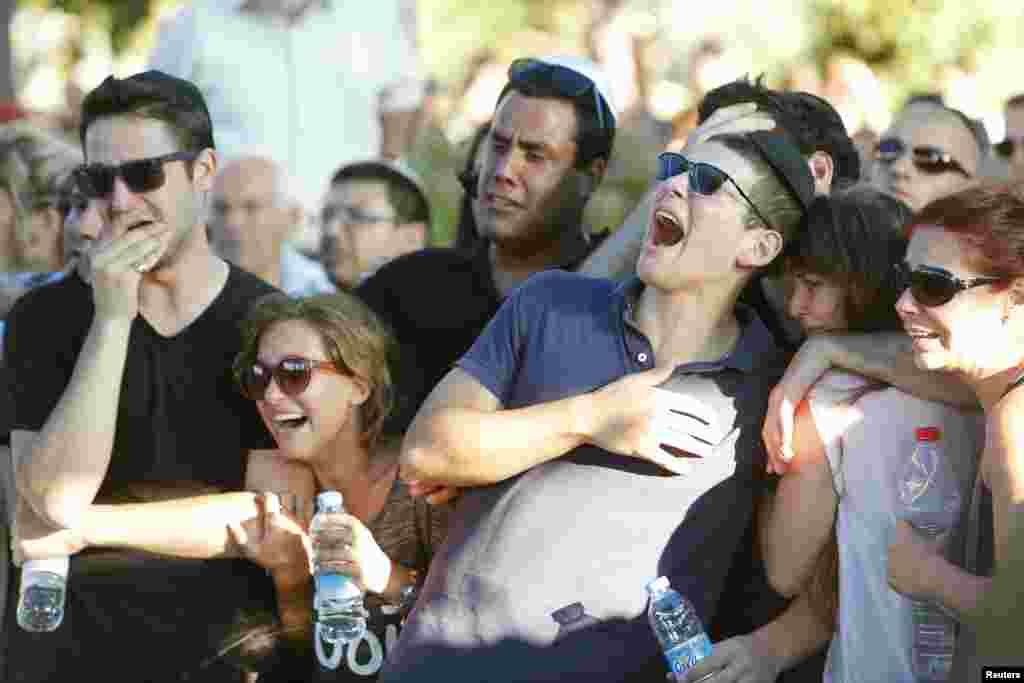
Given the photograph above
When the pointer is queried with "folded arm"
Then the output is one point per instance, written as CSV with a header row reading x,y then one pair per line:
x,y
187,527
462,437
59,469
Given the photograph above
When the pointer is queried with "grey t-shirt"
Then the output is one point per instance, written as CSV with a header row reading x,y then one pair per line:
x,y
543,575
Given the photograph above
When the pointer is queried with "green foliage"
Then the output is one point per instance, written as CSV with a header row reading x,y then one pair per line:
x,y
122,18
902,40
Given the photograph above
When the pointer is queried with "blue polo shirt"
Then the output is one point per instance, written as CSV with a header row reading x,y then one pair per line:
x,y
542,576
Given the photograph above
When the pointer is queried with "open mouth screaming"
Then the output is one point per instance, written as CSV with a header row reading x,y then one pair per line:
x,y
666,229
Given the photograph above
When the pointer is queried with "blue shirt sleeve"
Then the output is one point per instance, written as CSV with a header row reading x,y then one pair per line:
x,y
494,358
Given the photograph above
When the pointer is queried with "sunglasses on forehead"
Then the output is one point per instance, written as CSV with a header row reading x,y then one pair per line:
x,y
933,287
565,81
292,375
142,175
703,178
926,158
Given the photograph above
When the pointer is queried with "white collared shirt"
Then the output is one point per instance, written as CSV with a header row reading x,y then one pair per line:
x,y
311,91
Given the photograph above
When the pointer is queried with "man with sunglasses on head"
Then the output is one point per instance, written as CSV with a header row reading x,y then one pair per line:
x,y
554,420
125,409
545,155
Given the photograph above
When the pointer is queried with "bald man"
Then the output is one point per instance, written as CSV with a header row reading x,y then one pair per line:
x,y
252,216
930,151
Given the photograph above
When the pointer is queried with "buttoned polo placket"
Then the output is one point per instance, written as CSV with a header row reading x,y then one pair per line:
x,y
640,353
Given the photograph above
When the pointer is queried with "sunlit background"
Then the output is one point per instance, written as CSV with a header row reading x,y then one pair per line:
x,y
865,56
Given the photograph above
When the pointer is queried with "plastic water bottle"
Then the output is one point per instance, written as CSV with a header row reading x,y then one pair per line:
x,y
42,594
341,617
930,498
677,627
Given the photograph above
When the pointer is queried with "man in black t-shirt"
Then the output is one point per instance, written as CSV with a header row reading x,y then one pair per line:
x,y
124,407
543,158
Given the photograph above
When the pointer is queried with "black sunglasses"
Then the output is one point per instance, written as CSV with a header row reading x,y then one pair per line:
x,y
933,287
142,175
927,159
703,178
292,375
1005,148
562,79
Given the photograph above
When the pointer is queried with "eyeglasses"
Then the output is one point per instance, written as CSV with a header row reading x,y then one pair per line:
x,y
352,215
141,175
703,178
292,375
1006,147
933,287
564,80
926,158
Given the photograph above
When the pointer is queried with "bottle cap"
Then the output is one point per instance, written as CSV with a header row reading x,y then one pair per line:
x,y
658,585
328,499
927,433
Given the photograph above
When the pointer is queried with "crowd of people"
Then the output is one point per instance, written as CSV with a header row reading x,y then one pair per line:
x,y
182,374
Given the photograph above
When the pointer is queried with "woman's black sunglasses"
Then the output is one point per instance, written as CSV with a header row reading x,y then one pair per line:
x,y
564,80
933,287
927,159
703,178
142,175
292,375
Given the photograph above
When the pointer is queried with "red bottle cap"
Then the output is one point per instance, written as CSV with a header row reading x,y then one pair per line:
x,y
927,433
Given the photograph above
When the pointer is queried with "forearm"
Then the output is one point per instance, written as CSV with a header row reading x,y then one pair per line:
x,y
616,257
467,447
958,591
397,131
888,357
796,525
63,468
795,634
195,527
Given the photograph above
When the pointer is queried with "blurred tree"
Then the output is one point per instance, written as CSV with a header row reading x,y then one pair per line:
x,y
122,18
902,40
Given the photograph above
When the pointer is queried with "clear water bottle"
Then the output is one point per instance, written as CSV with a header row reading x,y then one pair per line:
x,y
42,594
929,493
677,627
340,615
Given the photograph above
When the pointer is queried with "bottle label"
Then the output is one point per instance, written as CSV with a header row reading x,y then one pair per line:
x,y
336,587
684,655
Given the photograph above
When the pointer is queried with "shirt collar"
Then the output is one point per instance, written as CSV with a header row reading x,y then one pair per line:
x,y
755,339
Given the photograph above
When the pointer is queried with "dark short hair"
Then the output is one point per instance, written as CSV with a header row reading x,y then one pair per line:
x,y
407,199
153,95
784,188
813,123
989,220
592,140
855,238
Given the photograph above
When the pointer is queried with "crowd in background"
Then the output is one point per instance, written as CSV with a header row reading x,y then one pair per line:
x,y
276,263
